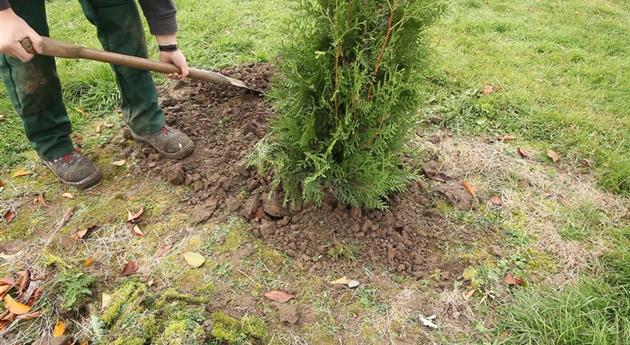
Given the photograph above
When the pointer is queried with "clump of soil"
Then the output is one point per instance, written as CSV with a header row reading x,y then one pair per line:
x,y
225,124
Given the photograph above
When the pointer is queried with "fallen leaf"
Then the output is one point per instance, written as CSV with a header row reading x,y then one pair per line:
x,y
469,294
195,260
14,306
130,268
512,280
496,200
488,90
85,341
555,157
41,200
60,329
341,281
36,295
67,195
9,216
68,215
22,173
279,296
1,183
162,250
89,262
135,230
7,316
134,218
6,281
82,234
23,281
4,324
119,163
523,153
437,176
471,189
98,128
4,289
106,300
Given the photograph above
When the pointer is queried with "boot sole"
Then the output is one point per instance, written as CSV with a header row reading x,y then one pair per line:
x,y
181,154
86,183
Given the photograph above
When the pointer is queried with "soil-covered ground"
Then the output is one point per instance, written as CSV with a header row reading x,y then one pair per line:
x,y
226,124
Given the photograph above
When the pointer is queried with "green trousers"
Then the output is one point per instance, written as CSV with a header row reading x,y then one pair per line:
x,y
35,90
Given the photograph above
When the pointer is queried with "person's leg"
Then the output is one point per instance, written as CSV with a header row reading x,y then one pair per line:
x,y
35,90
120,30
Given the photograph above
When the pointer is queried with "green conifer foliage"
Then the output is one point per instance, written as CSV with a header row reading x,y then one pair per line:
x,y
347,97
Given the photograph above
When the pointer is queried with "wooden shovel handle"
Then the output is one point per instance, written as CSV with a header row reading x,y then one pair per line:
x,y
52,47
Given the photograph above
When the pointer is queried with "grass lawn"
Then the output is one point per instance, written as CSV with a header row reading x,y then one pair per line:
x,y
556,75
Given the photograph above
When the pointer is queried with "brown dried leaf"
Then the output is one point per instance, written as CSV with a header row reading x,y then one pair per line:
x,y
85,341
36,295
162,250
523,153
41,200
119,163
488,90
14,306
6,281
9,216
2,184
134,218
98,128
555,157
68,215
135,230
470,188
496,200
22,173
512,280
68,195
279,296
82,234
60,329
130,268
23,282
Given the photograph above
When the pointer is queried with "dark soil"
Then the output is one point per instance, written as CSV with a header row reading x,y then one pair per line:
x,y
226,123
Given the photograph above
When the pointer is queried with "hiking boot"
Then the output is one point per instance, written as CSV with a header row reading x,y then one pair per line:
x,y
74,170
170,142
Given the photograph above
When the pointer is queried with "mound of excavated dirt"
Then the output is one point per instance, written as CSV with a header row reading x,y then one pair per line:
x,y
225,124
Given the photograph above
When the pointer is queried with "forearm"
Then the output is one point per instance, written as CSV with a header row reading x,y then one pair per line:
x,y
161,16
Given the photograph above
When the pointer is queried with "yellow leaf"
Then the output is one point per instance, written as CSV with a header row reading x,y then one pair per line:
x,y
471,189
14,306
60,329
195,260
21,173
341,281
4,289
89,262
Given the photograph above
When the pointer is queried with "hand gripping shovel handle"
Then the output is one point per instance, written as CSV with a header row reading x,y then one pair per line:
x,y
52,47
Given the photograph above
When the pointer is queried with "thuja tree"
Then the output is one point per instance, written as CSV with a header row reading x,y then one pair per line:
x,y
347,97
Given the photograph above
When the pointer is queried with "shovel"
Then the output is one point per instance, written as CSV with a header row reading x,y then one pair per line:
x,y
61,49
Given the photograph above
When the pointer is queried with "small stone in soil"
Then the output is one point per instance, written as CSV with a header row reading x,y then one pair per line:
x,y
274,207
233,204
